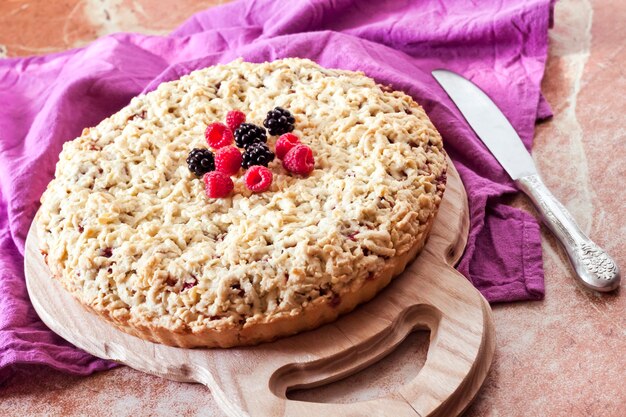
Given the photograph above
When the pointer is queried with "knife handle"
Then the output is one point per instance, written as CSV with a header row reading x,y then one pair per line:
x,y
593,266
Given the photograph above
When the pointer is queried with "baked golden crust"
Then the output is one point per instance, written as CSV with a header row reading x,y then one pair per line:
x,y
129,232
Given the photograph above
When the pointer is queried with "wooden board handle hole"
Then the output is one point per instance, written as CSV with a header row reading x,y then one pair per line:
x,y
297,377
378,380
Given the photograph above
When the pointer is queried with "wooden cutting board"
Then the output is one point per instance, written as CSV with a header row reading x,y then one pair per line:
x,y
253,381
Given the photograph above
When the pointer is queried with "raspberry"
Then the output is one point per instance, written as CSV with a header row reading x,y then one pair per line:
x,y
258,178
217,184
234,118
299,160
285,143
228,160
218,135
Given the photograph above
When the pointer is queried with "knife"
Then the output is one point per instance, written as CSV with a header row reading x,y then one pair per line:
x,y
594,268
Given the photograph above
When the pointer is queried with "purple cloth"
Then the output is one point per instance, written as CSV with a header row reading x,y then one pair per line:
x,y
502,46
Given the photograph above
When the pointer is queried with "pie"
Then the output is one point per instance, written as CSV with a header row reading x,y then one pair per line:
x,y
128,230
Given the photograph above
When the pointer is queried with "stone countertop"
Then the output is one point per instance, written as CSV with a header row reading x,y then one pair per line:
x,y
564,356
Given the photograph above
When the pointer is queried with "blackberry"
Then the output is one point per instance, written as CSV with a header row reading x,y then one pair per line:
x,y
257,154
279,121
247,134
200,161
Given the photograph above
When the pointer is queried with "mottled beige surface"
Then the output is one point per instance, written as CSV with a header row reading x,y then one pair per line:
x,y
564,356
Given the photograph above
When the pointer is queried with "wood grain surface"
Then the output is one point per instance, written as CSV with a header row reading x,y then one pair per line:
x,y
253,381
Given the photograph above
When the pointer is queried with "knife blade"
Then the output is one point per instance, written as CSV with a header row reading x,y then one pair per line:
x,y
593,266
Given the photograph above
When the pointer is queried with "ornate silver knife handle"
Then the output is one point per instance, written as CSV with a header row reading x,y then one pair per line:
x,y
593,266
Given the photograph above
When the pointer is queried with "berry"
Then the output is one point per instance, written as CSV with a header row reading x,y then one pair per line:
x,y
257,154
218,135
247,134
285,143
217,184
299,160
228,160
279,121
258,178
234,118
200,161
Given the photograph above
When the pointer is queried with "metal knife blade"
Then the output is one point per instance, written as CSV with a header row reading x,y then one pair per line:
x,y
491,126
594,267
